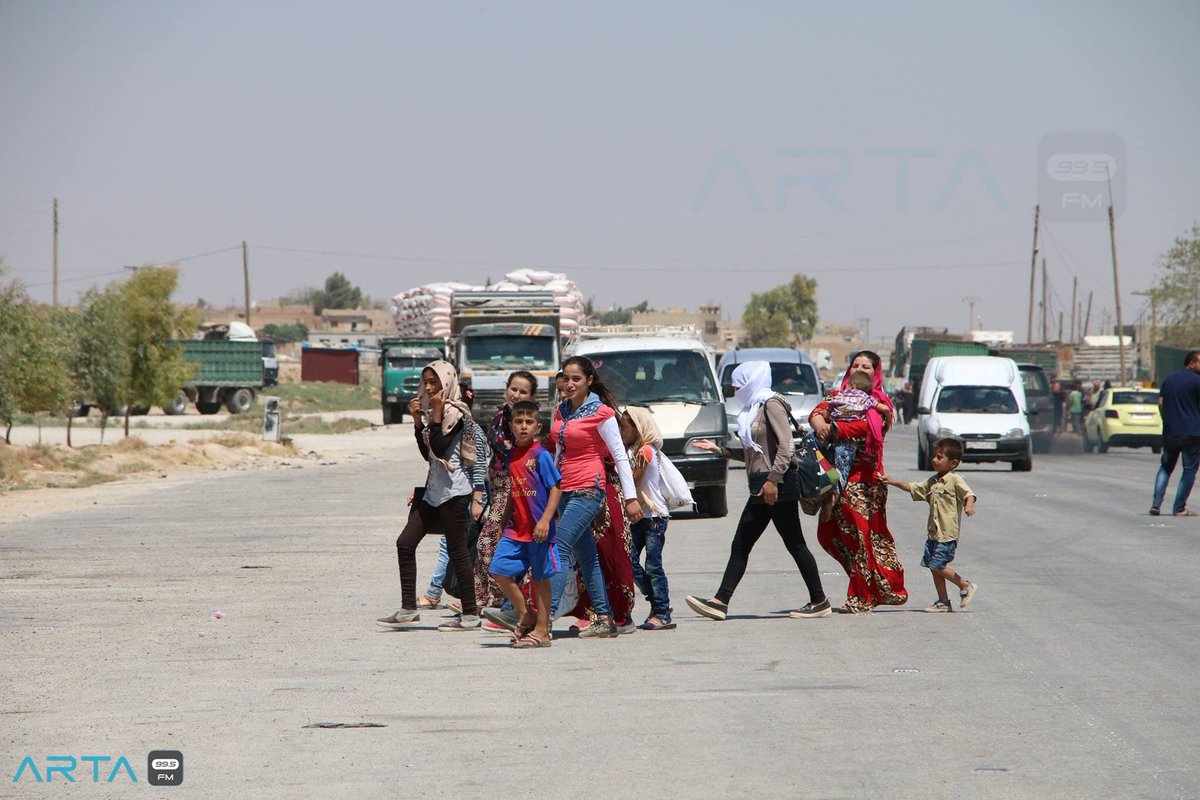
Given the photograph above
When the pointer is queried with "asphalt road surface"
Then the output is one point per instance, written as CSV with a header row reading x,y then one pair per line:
x,y
1072,676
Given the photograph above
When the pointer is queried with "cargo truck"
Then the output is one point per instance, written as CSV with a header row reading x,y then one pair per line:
x,y
228,374
495,333
401,361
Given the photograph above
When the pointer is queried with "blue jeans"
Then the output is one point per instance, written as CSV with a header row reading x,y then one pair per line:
x,y
574,532
439,572
650,534
1173,447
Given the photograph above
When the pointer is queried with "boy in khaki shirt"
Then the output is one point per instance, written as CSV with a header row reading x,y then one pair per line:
x,y
948,496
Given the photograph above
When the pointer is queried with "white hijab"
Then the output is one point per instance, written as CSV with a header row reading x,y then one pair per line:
x,y
751,385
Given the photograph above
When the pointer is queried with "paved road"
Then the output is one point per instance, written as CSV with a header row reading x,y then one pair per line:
x,y
1072,676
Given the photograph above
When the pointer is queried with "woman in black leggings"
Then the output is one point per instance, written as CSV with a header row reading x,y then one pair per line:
x,y
764,426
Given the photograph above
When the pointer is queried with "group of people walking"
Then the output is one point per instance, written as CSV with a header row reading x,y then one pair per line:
x,y
591,497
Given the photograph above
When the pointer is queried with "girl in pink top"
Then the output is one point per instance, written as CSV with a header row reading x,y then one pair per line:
x,y
583,435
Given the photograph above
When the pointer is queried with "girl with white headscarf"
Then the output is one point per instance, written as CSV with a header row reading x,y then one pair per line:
x,y
765,429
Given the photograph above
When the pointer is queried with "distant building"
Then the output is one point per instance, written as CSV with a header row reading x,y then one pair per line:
x,y
715,331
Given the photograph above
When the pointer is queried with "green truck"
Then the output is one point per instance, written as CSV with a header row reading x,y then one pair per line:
x,y
228,374
401,361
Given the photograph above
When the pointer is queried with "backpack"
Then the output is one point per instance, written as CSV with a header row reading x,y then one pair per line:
x,y
672,485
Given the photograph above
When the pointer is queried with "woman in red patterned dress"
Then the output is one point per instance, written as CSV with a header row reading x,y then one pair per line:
x,y
857,534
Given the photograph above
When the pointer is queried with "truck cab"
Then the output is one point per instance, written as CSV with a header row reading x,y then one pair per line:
x,y
672,376
401,361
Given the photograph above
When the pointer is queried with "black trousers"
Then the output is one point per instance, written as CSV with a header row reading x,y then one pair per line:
x,y
450,520
755,517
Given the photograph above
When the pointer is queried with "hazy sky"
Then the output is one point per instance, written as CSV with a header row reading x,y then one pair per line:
x,y
679,152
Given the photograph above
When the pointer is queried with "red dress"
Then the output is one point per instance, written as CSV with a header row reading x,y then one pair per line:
x,y
857,535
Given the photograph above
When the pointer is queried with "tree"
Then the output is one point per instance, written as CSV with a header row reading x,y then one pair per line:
x,y
157,366
287,333
100,361
33,371
780,316
338,293
1176,292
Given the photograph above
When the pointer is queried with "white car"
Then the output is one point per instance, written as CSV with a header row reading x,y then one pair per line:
x,y
979,400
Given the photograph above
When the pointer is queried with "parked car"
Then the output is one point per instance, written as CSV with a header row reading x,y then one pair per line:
x,y
979,400
1040,409
1124,418
793,375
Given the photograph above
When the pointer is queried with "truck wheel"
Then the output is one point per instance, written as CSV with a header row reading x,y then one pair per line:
x,y
205,407
82,410
712,501
392,414
239,401
139,411
177,406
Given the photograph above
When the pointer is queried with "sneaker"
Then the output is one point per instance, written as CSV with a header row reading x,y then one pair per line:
x,y
940,607
626,627
602,628
500,618
460,623
401,618
1154,511
964,596
487,626
713,609
812,611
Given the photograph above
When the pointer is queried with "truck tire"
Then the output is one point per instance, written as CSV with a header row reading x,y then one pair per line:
x,y
205,407
239,401
711,501
82,410
392,414
177,406
139,411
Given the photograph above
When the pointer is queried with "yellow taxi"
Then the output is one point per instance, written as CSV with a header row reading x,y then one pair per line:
x,y
1124,418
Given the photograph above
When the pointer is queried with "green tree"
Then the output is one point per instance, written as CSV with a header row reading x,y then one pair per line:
x,y
287,333
33,372
100,361
781,316
1175,294
338,293
157,366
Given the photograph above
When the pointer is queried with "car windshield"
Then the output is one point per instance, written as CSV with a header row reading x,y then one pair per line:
x,y
976,400
1035,382
786,378
509,351
407,362
647,376
1135,398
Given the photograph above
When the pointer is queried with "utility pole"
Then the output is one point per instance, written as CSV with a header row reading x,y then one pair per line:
x,y
1087,321
1077,329
865,324
1112,238
246,279
56,252
971,301
1074,301
1060,326
1045,303
1037,215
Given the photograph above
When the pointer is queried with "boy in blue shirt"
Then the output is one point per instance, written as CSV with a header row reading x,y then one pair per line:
x,y
528,543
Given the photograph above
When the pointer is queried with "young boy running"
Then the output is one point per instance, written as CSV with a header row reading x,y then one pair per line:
x,y
948,496
528,542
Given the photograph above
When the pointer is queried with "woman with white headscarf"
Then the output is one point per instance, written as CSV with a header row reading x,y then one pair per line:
x,y
765,428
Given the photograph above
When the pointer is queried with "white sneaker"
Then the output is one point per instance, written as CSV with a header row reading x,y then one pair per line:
x,y
399,619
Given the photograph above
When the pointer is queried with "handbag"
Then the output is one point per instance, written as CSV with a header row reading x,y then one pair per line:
x,y
671,483
803,476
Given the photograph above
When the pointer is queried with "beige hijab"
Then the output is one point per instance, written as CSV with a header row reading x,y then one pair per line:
x,y
647,434
453,411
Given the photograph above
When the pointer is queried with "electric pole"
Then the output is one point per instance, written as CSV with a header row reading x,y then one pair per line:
x,y
1037,215
865,324
971,301
55,252
1045,303
1087,321
1074,302
246,279
1112,237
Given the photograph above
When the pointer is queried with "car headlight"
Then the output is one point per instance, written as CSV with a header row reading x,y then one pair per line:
x,y
1015,433
690,448
946,433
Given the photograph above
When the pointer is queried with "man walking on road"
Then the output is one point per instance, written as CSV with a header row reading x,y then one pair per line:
x,y
1179,403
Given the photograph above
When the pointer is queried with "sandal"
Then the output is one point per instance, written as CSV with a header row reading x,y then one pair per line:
x,y
530,641
657,623
521,631
427,602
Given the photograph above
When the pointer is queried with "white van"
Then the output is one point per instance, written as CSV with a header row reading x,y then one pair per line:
x,y
670,373
979,400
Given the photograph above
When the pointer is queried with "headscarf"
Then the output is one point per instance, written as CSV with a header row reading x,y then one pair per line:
x,y
751,385
453,411
648,434
874,420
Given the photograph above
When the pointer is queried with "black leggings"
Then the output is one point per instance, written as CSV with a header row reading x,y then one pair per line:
x,y
755,517
450,520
